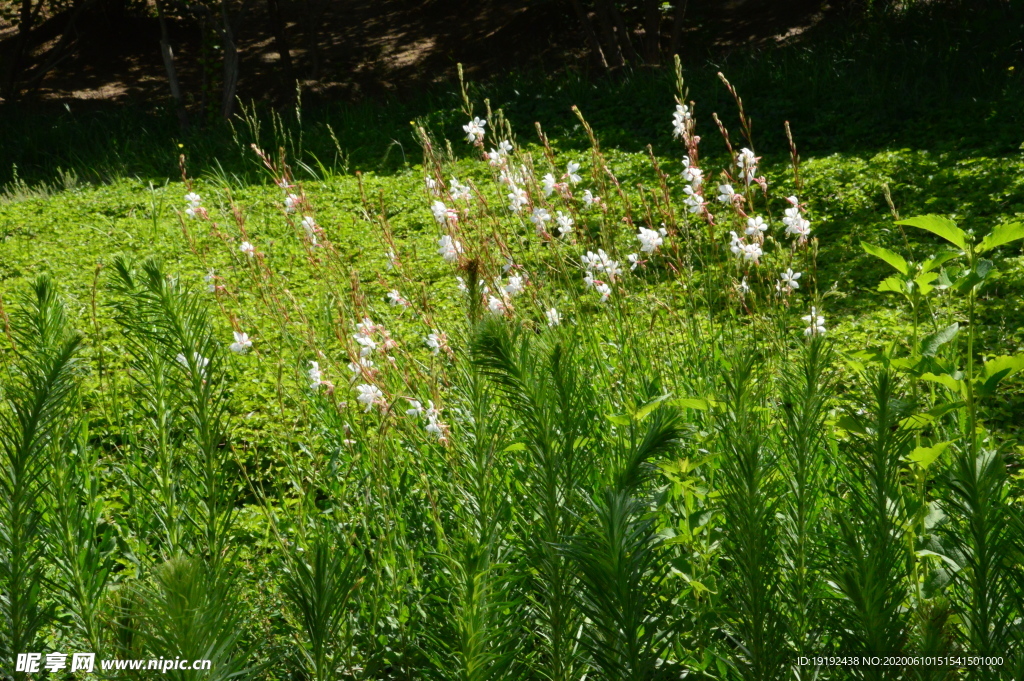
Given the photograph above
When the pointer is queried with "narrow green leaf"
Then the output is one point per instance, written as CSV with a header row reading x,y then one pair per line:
x,y
851,424
1001,235
888,256
940,226
515,447
932,342
618,419
697,403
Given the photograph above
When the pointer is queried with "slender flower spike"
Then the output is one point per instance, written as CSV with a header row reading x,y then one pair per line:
x,y
679,119
449,248
314,375
368,395
248,249
650,240
789,279
475,130
554,319
241,344
572,172
815,324
747,164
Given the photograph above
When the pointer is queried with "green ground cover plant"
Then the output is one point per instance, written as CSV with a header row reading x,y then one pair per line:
x,y
521,408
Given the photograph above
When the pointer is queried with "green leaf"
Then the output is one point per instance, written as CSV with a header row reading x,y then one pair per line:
x,y
888,256
1012,363
924,282
932,342
644,411
692,403
940,226
515,447
618,419
938,260
944,380
893,285
851,424
926,456
991,383
1001,235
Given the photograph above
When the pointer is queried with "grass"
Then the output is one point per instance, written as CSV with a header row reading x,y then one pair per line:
x,y
676,478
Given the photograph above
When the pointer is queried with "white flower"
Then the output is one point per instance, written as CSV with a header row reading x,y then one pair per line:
x,y
694,200
431,184
515,285
649,240
314,375
475,130
815,323
539,217
517,198
458,190
416,409
248,249
554,319
751,252
496,305
572,172
395,298
589,200
193,199
601,262
747,163
366,342
291,203
210,277
505,147
789,279
198,359
694,175
756,226
360,365
462,285
242,343
443,213
548,183
604,290
679,119
368,395
634,260
437,341
283,183
565,223
392,259
743,287
449,248
725,193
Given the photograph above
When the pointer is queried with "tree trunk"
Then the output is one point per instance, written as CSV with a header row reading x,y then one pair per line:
x,y
281,42
588,30
227,104
613,52
172,73
677,27
16,64
625,44
652,32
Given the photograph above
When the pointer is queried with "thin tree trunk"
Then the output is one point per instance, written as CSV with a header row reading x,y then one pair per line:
x,y
588,30
652,32
172,73
281,42
625,44
227,104
17,59
613,53
677,27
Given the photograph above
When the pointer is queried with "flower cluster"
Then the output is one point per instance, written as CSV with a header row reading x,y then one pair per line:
x,y
796,224
431,416
195,206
